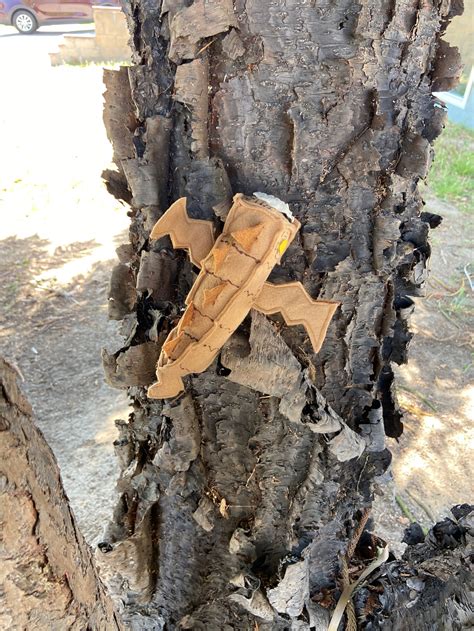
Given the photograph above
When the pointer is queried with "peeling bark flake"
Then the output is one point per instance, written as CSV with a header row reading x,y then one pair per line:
x,y
204,18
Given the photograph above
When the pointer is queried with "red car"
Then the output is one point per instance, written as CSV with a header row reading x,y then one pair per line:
x,y
27,15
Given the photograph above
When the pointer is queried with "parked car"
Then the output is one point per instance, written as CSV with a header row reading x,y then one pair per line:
x,y
27,15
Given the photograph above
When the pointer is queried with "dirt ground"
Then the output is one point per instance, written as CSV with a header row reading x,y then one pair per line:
x,y
432,463
58,233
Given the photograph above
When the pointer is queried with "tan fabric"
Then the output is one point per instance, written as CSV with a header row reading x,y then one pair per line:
x,y
232,281
297,307
194,235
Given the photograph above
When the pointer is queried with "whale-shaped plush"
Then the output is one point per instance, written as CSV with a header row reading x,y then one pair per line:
x,y
233,279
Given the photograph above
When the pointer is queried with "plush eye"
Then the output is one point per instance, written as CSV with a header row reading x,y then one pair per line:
x,y
283,245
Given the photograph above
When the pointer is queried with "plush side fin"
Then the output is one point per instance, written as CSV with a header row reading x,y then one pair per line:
x,y
194,235
297,307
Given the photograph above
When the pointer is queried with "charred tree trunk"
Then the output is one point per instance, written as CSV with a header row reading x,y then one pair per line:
x,y
48,578
239,498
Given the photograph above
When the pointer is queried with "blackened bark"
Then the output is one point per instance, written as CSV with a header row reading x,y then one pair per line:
x,y
232,490
431,587
47,574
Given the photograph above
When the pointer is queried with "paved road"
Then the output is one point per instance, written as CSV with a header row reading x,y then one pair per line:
x,y
31,51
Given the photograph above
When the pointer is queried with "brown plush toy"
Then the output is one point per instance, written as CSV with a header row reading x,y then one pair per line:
x,y
234,270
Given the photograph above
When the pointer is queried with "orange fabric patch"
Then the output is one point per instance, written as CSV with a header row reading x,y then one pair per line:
x,y
168,347
220,254
211,295
188,316
247,237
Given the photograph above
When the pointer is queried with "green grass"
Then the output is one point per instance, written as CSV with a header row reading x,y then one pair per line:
x,y
452,174
110,65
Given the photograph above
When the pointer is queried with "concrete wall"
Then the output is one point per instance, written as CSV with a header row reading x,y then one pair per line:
x,y
110,42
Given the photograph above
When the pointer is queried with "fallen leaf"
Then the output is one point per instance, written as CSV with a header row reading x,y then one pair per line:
x,y
223,508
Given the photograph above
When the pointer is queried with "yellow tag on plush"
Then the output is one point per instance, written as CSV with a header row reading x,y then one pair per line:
x,y
283,245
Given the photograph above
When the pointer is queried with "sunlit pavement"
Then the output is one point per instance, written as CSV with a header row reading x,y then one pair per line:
x,y
30,52
53,144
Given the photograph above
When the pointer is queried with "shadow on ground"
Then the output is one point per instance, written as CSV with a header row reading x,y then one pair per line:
x,y
432,463
53,334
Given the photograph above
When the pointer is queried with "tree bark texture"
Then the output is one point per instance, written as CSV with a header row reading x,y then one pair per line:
x,y
47,575
49,580
239,498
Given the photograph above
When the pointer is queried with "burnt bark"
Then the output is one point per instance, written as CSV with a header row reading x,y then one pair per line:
x,y
239,498
47,574
431,586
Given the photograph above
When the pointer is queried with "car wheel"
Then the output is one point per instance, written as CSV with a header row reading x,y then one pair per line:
x,y
25,22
